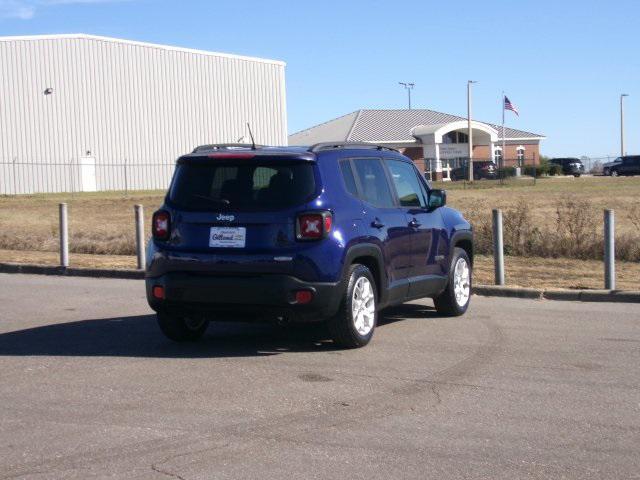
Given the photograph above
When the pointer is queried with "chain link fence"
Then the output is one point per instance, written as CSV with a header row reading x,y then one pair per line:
x,y
488,171
85,174
82,175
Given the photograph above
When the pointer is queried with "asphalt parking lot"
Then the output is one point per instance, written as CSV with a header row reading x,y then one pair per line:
x,y
515,389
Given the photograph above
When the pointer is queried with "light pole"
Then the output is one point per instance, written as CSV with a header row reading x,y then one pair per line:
x,y
469,131
408,87
622,95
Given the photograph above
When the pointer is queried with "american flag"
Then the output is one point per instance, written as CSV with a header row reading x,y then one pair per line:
x,y
510,106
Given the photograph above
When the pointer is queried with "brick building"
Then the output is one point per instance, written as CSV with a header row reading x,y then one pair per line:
x,y
437,142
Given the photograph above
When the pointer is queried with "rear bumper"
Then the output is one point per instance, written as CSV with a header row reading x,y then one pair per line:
x,y
261,297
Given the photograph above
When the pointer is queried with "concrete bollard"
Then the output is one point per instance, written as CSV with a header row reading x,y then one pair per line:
x,y
609,250
140,236
64,236
498,247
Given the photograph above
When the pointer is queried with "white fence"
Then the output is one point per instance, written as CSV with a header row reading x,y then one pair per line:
x,y
82,175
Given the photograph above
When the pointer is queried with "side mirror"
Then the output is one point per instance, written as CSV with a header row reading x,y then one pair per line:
x,y
437,199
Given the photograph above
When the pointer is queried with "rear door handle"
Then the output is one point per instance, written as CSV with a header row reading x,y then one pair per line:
x,y
414,223
377,223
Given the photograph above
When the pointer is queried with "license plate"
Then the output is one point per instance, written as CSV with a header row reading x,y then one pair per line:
x,y
227,237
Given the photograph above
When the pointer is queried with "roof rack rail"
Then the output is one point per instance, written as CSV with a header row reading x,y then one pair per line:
x,y
330,145
222,146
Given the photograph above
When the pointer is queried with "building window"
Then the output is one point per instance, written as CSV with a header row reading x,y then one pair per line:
x,y
497,156
450,137
520,153
455,137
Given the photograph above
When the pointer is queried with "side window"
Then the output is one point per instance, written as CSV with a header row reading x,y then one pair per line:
x,y
373,180
349,179
407,184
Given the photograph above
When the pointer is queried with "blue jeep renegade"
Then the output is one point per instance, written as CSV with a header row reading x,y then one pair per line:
x,y
334,233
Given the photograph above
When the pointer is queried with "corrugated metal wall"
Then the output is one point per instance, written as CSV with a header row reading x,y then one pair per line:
x,y
135,107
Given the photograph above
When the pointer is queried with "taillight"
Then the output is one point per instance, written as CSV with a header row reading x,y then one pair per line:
x,y
313,225
231,155
158,292
303,296
161,225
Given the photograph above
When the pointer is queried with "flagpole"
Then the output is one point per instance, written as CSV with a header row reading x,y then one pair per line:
x,y
504,151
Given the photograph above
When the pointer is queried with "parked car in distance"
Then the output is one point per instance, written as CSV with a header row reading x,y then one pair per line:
x,y
606,167
628,165
334,232
486,169
570,166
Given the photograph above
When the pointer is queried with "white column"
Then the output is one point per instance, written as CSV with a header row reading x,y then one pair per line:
x,y
438,162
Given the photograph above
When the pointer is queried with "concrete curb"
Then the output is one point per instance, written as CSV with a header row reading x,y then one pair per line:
x,y
513,292
69,271
627,296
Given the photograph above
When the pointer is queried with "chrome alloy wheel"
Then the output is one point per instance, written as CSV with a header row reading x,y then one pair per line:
x,y
363,306
461,282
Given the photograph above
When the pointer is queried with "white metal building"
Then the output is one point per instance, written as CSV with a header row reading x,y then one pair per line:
x,y
81,112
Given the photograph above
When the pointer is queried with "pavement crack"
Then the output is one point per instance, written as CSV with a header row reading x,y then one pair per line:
x,y
155,468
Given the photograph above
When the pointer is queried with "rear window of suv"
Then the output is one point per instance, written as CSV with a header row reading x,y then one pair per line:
x,y
241,185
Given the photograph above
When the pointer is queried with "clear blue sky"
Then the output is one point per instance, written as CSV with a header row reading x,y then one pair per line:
x,y
563,63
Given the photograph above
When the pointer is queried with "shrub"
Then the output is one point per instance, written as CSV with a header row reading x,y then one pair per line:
x,y
577,228
536,171
506,172
634,216
543,167
575,232
555,170
520,235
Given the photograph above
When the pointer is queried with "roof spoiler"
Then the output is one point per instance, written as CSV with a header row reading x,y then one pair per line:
x,y
333,145
224,146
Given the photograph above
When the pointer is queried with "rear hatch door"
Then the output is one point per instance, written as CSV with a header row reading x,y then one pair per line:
x,y
237,214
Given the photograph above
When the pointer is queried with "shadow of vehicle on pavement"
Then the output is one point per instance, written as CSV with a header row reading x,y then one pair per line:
x,y
139,336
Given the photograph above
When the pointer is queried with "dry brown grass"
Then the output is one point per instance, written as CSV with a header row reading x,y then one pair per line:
x,y
560,217
525,272
117,262
538,272
101,223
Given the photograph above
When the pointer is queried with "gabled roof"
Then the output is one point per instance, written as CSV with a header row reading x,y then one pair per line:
x,y
387,126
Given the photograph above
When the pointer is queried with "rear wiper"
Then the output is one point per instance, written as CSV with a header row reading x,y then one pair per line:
x,y
219,201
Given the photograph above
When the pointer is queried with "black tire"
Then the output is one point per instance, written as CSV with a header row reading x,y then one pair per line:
x,y
577,175
181,328
446,303
342,325
614,173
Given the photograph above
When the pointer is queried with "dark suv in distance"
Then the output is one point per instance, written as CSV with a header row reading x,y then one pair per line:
x,y
627,165
606,167
570,166
334,233
481,169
